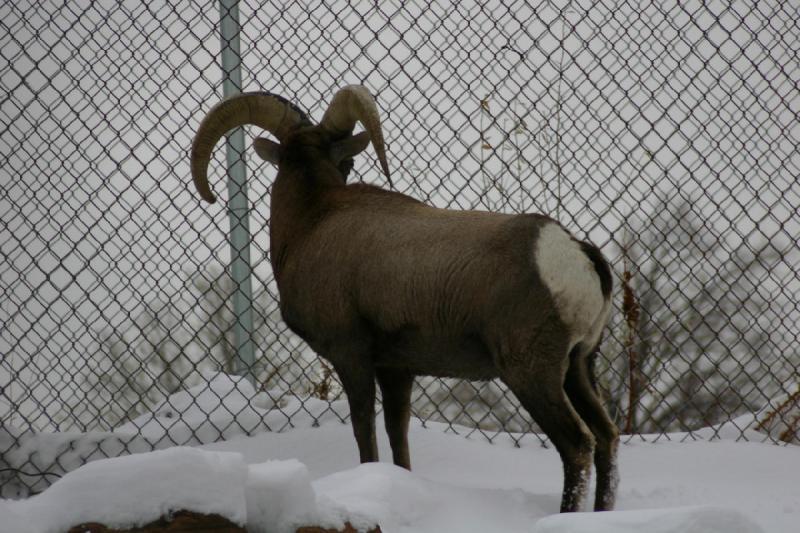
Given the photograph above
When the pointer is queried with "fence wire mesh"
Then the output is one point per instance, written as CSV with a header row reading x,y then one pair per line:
x,y
666,133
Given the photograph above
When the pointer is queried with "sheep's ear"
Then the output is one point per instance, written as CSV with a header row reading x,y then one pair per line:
x,y
349,147
267,150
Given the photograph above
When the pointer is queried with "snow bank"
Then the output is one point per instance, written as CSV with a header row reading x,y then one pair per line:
x,y
11,521
130,491
310,476
58,453
459,485
401,501
224,407
279,497
674,520
478,486
220,407
135,490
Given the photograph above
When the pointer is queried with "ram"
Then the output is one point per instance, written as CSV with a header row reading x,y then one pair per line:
x,y
386,287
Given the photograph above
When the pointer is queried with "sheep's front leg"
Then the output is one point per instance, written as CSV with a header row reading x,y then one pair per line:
x,y
396,391
358,379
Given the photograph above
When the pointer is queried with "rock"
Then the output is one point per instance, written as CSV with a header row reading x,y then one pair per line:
x,y
180,522
189,522
348,528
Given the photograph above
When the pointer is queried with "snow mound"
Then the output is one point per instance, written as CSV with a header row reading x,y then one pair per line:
x,y
705,519
135,490
11,521
224,407
401,501
204,413
275,481
279,497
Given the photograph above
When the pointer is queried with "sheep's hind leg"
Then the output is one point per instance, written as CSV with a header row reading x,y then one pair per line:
x,y
358,381
396,390
583,396
539,388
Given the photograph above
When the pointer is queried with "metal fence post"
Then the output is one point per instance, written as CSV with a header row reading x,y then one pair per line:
x,y
238,208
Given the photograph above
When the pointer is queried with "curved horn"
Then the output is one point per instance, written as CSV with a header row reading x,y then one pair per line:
x,y
354,103
269,111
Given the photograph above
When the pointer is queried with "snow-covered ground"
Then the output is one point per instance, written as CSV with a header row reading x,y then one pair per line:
x,y
277,481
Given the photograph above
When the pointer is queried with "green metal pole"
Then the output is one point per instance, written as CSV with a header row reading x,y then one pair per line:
x,y
238,207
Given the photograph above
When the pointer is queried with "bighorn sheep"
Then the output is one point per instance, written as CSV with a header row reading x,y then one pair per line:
x,y
386,287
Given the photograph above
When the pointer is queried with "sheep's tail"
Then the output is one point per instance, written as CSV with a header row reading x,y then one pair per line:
x,y
601,267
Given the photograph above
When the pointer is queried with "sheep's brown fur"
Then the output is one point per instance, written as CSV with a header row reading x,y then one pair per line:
x,y
386,287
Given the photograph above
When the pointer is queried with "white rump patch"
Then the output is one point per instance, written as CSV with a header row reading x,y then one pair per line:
x,y
573,282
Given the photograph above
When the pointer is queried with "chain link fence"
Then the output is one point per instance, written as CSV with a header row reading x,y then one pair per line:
x,y
666,133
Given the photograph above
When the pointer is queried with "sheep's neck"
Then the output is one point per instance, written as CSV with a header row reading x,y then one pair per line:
x,y
296,206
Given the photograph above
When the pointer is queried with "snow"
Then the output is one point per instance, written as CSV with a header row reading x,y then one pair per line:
x,y
12,520
137,489
195,415
399,500
275,482
699,519
279,492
